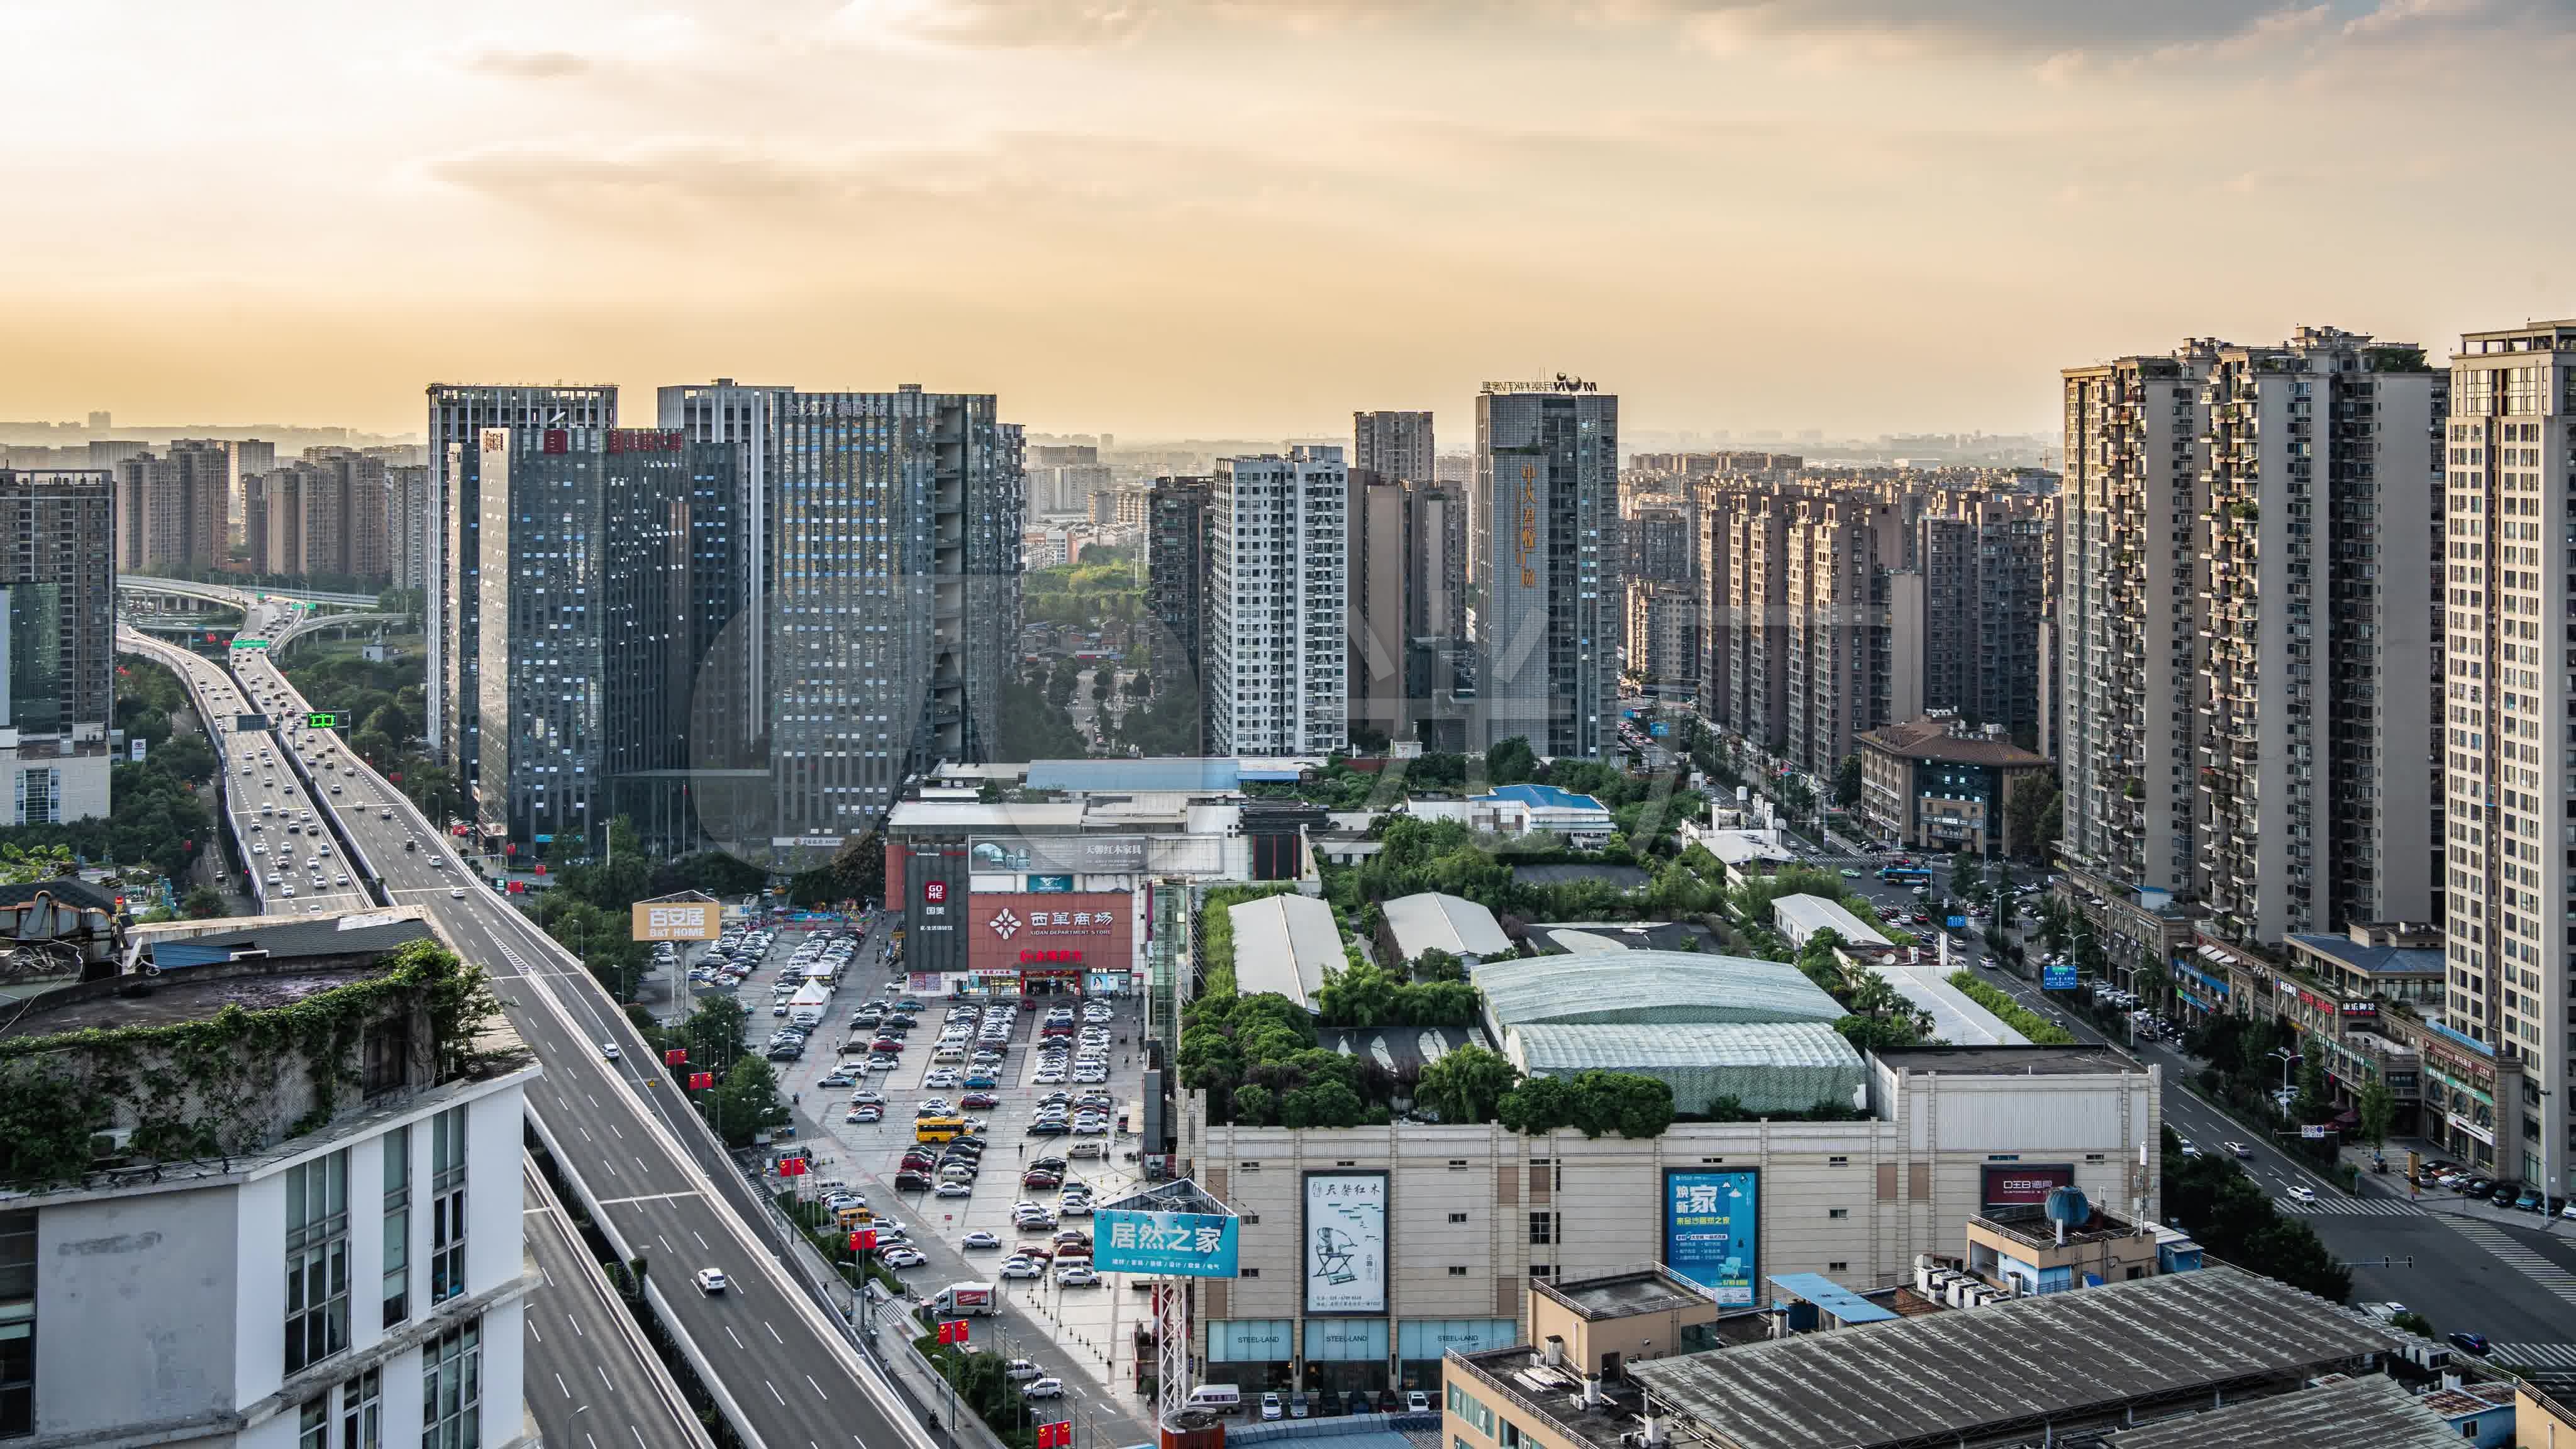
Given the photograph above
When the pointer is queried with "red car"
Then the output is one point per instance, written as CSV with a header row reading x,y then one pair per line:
x,y
1040,1179
890,1045
979,1099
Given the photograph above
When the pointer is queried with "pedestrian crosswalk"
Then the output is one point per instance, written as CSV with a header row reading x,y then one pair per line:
x,y
2534,1355
2384,1207
2539,1269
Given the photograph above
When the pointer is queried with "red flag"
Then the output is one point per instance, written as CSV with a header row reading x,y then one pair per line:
x,y
864,1240
952,1330
791,1167
675,1057
1056,1436
700,1081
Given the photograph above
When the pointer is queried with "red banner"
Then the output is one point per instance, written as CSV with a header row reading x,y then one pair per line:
x,y
700,1081
791,1167
1056,1436
676,1057
864,1240
952,1330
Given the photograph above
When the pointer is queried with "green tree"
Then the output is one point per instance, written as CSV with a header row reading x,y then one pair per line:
x,y
1438,965
1511,762
2031,812
1358,996
1465,1085
1847,782
203,903
26,864
860,866
2315,1100
745,1101
2377,1108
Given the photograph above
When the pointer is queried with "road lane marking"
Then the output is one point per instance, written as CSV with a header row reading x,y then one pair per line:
x,y
773,1333
737,1338
818,1388
774,1393
644,1197
567,1388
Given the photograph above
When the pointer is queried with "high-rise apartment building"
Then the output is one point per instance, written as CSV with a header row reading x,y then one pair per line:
x,y
2509,731
57,644
1746,630
2128,628
1393,447
894,608
1277,652
325,515
170,514
585,554
1840,670
1408,607
732,688
1984,558
458,416
2315,770
407,524
1177,565
1547,598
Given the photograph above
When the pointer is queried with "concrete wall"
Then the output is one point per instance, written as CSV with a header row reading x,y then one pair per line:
x,y
134,1310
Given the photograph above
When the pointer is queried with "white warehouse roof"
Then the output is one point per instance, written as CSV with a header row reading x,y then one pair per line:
x,y
1285,944
1432,921
1799,917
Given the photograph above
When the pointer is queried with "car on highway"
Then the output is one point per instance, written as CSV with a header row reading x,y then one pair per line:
x,y
2239,1149
710,1280
2475,1343
2303,1193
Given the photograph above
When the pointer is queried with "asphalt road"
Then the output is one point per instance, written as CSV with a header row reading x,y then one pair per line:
x,y
656,1181
2461,1271
590,1380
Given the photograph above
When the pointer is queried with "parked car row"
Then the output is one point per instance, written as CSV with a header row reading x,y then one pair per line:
x,y
2504,1193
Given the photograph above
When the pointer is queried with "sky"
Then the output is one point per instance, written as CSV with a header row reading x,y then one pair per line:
x,y
1246,218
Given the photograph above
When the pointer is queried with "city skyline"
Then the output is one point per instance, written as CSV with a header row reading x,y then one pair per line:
x,y
889,186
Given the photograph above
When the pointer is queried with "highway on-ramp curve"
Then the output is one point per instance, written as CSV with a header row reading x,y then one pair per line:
x,y
653,1178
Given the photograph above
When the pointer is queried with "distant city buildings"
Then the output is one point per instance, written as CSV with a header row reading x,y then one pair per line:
x,y
1542,524
326,514
1276,651
57,644
171,510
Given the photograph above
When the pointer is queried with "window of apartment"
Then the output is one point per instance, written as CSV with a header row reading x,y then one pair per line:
x,y
451,1389
1838,1265
362,1411
317,1260
313,1424
1457,1217
17,1324
447,1205
1838,1212
397,1279
1457,1270
1542,1227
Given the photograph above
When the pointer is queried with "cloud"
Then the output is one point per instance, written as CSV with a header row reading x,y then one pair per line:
x,y
999,23
527,64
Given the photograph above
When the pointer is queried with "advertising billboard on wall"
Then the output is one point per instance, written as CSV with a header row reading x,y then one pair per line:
x,y
1713,1231
2024,1184
675,920
1345,1237
1061,932
1184,1245
1076,854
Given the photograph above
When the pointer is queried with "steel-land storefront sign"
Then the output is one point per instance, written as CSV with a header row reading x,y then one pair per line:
x,y
1250,1340
2024,1184
1712,1231
1049,931
1184,1245
1433,1337
1346,1340
1345,1242
1058,854
675,921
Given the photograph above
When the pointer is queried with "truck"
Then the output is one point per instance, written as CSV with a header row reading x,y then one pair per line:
x,y
805,1008
964,1299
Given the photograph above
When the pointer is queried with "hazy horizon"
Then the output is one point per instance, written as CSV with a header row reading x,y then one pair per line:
x,y
1178,219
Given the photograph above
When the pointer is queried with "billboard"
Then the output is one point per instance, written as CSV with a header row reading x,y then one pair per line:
x,y
1058,932
1184,1245
2024,1184
1057,854
2057,977
1713,1231
1345,1238
675,920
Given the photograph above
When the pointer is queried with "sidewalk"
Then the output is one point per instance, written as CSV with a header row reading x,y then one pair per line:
x,y
2392,1183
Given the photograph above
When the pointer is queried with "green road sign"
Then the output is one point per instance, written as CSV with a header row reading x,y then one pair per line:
x,y
250,643
321,721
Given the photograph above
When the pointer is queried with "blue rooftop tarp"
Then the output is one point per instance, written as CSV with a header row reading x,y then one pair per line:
x,y
1846,1306
1544,797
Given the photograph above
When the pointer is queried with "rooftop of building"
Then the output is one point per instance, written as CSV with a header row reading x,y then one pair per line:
x,y
952,817
175,944
2009,1061
1544,797
2368,1411
1649,986
1939,739
1430,920
258,967
1194,775
1614,1296
69,889
1595,937
2018,1363
1285,944
1807,915
2376,960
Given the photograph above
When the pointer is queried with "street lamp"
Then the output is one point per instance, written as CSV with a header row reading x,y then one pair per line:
x,y
2288,1059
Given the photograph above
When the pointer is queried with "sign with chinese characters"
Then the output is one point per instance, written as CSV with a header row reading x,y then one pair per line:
x,y
1345,1242
674,921
1048,931
1060,854
1183,1245
2021,1184
2057,977
1713,1231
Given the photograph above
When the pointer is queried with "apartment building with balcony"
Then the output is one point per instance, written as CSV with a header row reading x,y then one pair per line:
x,y
1839,669
1746,630
2315,774
2508,728
2128,634
1543,550
1277,646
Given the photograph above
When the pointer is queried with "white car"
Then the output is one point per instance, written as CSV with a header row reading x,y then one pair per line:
x,y
1020,1268
710,1280
1020,1371
1076,1275
608,1049
902,1257
1049,1388
979,1239
954,1188
456,893
2303,1193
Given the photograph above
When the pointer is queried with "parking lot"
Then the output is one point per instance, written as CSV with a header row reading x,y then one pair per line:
x,y
863,1124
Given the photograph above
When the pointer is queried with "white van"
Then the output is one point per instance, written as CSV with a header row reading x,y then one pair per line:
x,y
1217,1399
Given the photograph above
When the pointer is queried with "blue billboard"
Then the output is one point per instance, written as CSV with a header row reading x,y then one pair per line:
x,y
1185,1245
1713,1232
1058,884
1958,922
2057,978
